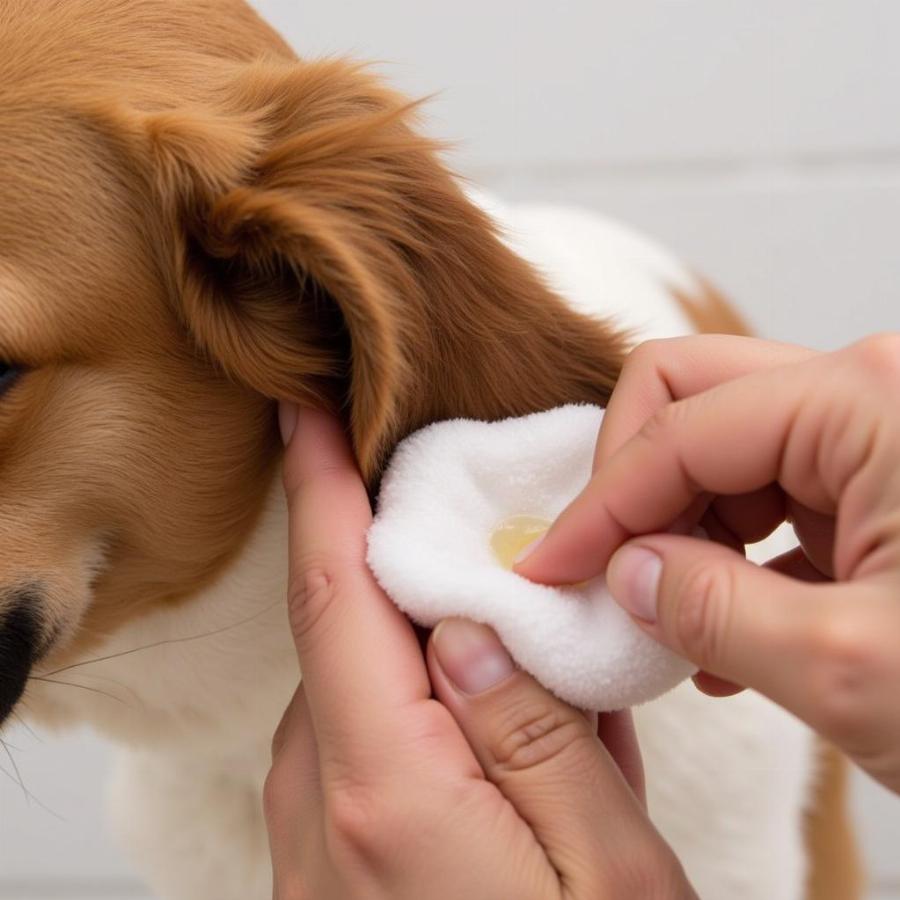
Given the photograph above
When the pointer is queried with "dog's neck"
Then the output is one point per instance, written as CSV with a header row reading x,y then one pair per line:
x,y
221,664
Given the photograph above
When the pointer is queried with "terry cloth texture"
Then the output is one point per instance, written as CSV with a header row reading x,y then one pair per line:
x,y
448,487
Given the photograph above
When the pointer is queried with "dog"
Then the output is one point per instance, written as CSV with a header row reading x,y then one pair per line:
x,y
196,225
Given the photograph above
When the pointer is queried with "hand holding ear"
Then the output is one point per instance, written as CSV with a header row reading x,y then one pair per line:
x,y
457,777
740,435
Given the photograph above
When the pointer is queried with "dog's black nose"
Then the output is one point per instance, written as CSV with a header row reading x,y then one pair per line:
x,y
20,635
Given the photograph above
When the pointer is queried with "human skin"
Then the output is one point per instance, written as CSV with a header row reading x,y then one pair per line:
x,y
449,774
738,435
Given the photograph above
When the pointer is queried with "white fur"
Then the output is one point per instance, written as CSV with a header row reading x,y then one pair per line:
x,y
194,711
727,778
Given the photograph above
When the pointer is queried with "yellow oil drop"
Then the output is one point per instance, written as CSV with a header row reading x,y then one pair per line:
x,y
512,536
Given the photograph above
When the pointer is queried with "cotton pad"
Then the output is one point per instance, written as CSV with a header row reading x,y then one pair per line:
x,y
450,492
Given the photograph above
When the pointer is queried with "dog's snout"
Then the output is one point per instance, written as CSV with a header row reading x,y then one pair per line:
x,y
20,636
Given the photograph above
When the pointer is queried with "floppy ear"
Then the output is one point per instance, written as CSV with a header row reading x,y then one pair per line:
x,y
327,256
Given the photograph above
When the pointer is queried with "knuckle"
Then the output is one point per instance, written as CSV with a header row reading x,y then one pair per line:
x,y
639,864
298,477
649,871
431,726
842,665
312,593
647,354
880,354
535,736
702,616
664,421
352,817
646,872
362,824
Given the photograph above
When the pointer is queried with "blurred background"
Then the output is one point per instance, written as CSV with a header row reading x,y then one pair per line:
x,y
761,141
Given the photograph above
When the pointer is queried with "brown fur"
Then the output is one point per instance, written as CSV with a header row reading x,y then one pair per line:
x,y
710,312
202,224
196,224
836,871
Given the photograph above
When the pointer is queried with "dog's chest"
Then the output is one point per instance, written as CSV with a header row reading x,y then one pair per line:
x,y
220,665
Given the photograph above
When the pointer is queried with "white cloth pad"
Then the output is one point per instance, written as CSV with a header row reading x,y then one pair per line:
x,y
446,490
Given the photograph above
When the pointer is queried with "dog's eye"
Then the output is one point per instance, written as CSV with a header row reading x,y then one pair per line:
x,y
8,374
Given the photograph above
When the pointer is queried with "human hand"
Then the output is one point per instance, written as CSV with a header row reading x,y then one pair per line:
x,y
739,435
494,789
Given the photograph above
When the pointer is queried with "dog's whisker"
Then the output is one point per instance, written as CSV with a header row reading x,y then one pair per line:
x,y
10,776
182,640
26,726
29,797
112,681
74,684
18,777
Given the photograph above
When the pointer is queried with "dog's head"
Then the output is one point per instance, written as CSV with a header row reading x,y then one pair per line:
x,y
195,224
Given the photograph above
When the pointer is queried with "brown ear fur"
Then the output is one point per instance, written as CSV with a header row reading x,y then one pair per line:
x,y
328,256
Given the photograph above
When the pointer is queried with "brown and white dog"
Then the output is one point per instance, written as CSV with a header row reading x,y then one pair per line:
x,y
195,224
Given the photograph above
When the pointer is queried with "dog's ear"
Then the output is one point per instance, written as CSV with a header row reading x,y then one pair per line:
x,y
324,254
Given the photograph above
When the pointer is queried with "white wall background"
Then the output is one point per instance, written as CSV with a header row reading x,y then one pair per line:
x,y
760,140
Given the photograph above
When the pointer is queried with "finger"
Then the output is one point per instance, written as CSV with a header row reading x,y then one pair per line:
x,y
816,533
295,738
658,372
729,440
747,624
795,564
539,752
712,527
752,517
616,731
292,792
713,686
360,657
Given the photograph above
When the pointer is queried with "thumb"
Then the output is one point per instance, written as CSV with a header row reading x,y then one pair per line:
x,y
543,755
745,623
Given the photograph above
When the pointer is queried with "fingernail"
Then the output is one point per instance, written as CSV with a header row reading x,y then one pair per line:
x,y
526,551
633,579
287,420
471,655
